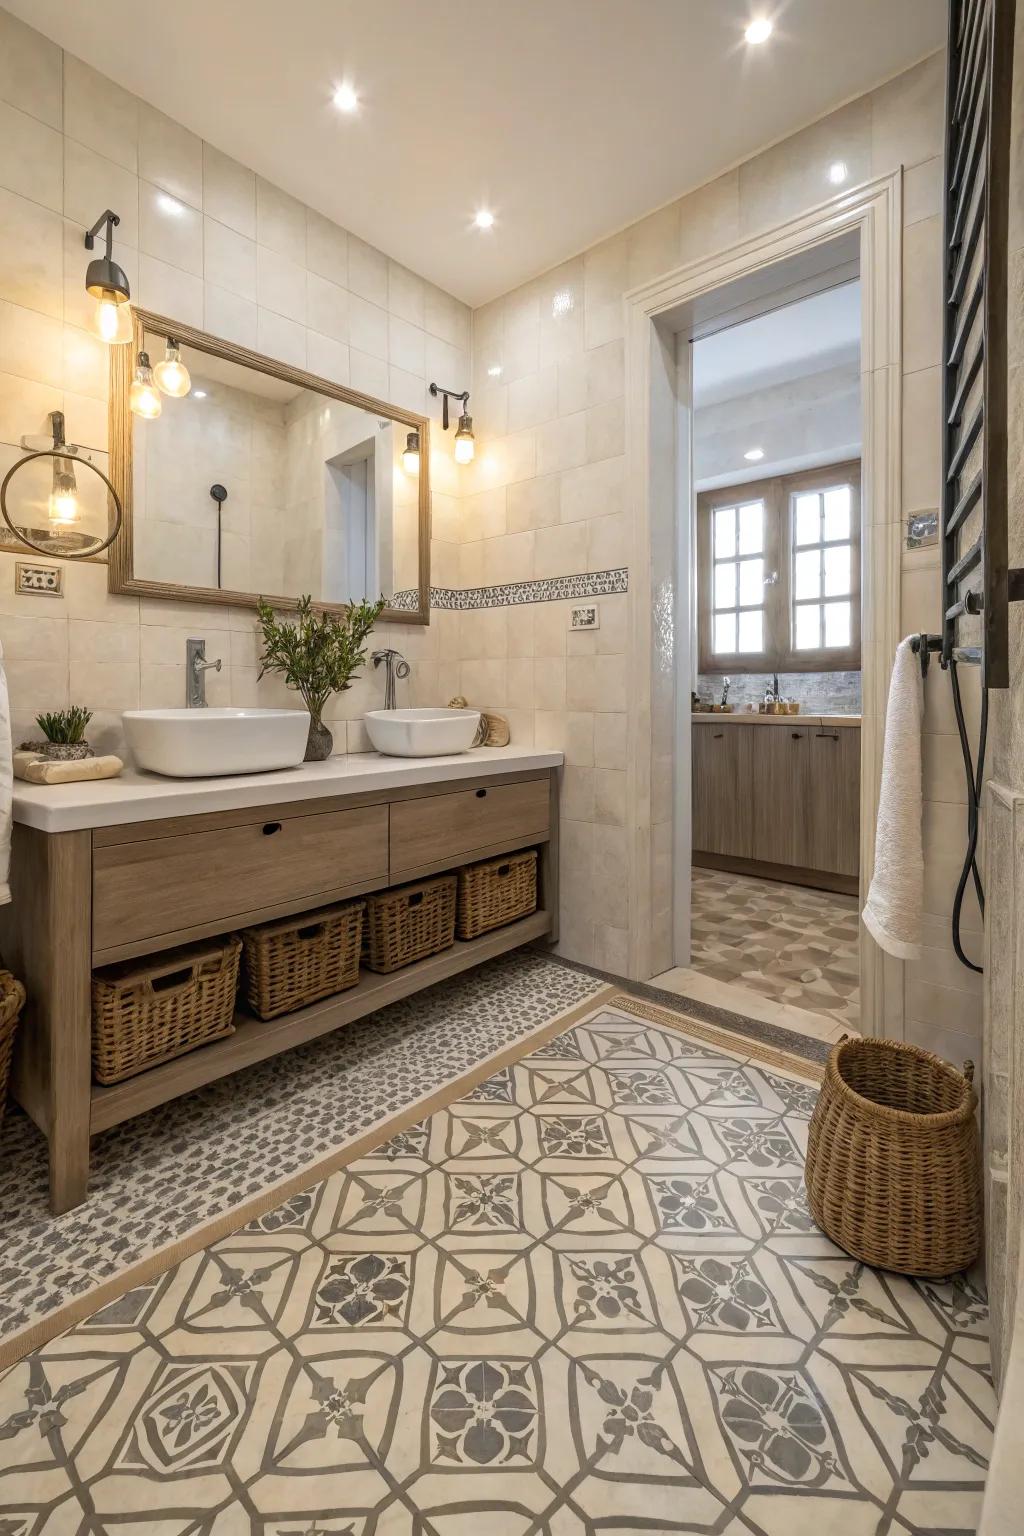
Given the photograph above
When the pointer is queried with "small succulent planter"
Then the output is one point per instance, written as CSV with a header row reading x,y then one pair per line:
x,y
59,751
64,733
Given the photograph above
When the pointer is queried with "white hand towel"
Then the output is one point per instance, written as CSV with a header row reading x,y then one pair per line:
x,y
6,786
892,913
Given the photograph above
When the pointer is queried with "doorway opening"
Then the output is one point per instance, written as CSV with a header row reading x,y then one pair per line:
x,y
767,739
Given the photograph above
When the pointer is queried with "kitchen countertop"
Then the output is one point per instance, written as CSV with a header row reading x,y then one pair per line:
x,y
137,796
753,719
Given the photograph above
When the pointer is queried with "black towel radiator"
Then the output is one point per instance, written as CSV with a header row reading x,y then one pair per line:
x,y
977,584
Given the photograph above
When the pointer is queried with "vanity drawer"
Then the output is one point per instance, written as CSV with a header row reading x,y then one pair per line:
x,y
145,889
437,830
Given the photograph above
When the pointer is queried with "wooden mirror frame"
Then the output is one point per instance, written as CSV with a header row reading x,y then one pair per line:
x,y
121,563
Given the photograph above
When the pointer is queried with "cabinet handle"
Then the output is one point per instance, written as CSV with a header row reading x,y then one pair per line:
x,y
797,736
827,735
481,793
718,736
270,827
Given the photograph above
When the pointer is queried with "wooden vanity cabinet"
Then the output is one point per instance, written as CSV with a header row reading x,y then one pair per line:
x,y
85,898
781,800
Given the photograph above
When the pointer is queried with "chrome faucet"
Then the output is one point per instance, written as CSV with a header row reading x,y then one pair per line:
x,y
196,668
397,666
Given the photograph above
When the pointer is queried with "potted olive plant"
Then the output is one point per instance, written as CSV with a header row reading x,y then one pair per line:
x,y
317,655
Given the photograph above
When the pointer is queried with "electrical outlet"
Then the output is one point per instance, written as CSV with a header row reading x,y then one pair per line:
x,y
41,580
585,617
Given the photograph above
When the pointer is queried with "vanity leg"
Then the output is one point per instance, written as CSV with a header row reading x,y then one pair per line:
x,y
548,871
46,940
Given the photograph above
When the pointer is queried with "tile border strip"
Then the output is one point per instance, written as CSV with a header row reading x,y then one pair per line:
x,y
548,589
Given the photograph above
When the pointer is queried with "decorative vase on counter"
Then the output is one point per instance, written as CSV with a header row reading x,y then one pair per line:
x,y
319,742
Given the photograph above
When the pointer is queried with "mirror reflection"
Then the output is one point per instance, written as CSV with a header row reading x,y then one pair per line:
x,y
254,484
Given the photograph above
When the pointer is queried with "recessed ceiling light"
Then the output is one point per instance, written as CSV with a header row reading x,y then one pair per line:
x,y
199,394
345,98
754,455
494,371
483,218
759,31
838,172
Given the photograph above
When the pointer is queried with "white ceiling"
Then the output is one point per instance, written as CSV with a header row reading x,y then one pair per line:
x,y
804,338
570,118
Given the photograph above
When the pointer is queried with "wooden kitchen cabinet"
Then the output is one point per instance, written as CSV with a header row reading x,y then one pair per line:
x,y
722,820
779,799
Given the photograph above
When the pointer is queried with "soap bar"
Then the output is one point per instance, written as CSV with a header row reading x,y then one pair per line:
x,y
41,770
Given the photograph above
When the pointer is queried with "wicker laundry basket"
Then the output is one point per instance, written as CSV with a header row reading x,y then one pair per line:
x,y
409,923
495,892
893,1166
302,958
12,1000
148,1011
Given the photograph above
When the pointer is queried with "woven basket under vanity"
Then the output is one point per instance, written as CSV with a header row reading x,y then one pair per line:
x,y
495,892
148,1011
893,1167
296,961
409,923
12,1000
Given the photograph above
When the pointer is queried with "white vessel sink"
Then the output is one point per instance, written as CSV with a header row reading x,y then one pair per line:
x,y
422,732
205,743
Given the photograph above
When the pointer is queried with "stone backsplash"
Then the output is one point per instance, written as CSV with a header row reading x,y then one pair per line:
x,y
823,693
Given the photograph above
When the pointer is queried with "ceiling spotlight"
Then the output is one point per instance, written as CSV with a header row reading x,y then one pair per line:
x,y
483,218
759,31
838,171
345,98
754,455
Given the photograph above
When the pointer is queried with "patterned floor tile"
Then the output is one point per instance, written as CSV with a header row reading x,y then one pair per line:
x,y
589,1298
785,942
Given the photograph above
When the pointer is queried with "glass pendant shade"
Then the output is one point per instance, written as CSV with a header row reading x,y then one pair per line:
x,y
170,373
411,454
144,397
63,509
465,444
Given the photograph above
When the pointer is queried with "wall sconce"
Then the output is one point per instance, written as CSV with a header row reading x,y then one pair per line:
x,y
143,396
62,534
171,375
465,443
411,453
107,284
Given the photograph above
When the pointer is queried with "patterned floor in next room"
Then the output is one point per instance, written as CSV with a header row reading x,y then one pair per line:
x,y
783,942
588,1297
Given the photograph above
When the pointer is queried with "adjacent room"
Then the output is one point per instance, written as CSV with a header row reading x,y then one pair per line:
x,y
511,791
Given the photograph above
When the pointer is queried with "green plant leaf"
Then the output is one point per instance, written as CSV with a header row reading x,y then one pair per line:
x,y
317,654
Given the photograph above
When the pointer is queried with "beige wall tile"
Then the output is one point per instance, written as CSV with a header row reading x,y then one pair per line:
x,y
93,183
170,156
229,192
30,157
906,116
30,71
229,259
280,221
922,295
170,229
31,255
794,175
100,114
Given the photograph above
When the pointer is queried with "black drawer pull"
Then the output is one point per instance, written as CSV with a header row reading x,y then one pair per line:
x,y
481,793
270,827
797,736
718,736
827,735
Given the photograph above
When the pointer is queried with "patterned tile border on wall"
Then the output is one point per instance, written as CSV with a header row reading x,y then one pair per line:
x,y
549,589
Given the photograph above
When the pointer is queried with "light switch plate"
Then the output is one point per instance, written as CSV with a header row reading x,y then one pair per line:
x,y
40,580
586,616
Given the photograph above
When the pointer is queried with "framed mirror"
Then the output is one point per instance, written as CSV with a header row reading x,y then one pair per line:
x,y
264,480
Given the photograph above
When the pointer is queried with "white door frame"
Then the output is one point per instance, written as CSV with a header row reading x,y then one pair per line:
x,y
660,642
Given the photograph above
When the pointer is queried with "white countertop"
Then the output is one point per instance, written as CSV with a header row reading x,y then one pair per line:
x,y
740,717
136,796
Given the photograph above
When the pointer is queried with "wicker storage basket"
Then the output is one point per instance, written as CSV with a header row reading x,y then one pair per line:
x,y
496,892
12,1000
148,1011
893,1166
299,959
409,923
